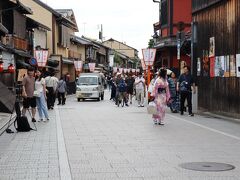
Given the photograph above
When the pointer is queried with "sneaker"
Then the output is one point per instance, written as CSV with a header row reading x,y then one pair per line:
x,y
47,119
139,105
130,102
40,120
44,120
142,105
181,113
33,120
126,104
161,123
191,115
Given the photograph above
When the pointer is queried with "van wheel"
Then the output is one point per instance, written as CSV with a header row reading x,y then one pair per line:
x,y
102,96
98,99
78,99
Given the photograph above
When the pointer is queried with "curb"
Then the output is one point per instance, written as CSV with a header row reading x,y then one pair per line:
x,y
213,115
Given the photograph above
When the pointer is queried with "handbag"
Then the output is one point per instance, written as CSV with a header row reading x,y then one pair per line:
x,y
152,108
36,93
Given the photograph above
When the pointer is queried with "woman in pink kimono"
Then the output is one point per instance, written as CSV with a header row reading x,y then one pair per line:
x,y
161,96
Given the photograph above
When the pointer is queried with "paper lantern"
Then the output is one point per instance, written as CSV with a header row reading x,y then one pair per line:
x,y
11,68
1,67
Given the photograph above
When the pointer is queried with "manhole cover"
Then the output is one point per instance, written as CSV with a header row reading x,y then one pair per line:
x,y
207,166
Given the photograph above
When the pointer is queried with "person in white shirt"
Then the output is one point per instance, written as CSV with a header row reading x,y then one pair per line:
x,y
40,87
140,89
51,85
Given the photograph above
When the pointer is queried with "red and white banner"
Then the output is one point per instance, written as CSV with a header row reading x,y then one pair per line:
x,y
41,57
91,66
137,70
149,56
128,70
78,65
125,70
133,70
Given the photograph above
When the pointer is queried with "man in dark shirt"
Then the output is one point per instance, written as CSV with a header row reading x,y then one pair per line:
x,y
184,86
130,82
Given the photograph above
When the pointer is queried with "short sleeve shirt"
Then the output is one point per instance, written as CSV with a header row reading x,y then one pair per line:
x,y
28,83
39,84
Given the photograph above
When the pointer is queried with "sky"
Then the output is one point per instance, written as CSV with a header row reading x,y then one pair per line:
x,y
129,21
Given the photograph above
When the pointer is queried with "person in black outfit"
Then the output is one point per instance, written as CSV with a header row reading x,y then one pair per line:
x,y
184,86
130,82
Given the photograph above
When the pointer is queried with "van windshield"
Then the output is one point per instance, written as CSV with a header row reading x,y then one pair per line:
x,y
87,81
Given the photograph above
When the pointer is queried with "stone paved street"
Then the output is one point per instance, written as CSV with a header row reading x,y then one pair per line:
x,y
97,140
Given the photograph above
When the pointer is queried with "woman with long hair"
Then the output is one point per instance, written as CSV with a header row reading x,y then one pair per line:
x,y
40,86
161,96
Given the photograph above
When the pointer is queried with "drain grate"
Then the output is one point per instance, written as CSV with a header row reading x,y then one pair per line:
x,y
207,166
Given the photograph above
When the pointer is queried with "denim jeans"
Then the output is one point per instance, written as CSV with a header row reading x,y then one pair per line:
x,y
42,106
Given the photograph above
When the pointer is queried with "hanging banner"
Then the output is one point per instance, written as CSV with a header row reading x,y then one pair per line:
x,y
238,65
226,66
128,70
111,60
137,70
41,57
91,66
232,66
133,70
78,65
212,66
212,47
125,70
149,56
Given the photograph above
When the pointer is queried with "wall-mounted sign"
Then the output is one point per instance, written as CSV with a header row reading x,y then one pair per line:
x,y
212,47
238,65
33,62
78,65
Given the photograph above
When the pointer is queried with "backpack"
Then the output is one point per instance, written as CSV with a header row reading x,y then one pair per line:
x,y
21,121
22,124
122,86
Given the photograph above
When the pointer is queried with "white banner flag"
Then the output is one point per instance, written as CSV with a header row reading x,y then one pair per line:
x,y
91,66
78,65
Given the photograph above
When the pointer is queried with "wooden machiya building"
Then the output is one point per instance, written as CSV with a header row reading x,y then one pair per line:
x,y
217,63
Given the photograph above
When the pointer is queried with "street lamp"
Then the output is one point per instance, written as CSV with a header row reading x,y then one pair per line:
x,y
155,37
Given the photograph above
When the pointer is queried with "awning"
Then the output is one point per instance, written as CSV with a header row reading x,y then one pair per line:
x,y
53,63
31,23
3,29
67,61
24,9
80,40
21,64
166,42
22,53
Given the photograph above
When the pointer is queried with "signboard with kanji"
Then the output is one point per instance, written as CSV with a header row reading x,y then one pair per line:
x,y
78,65
149,56
91,66
41,57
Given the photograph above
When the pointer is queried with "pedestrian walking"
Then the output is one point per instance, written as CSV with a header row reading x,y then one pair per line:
x,y
27,92
61,91
113,89
51,94
174,101
40,87
140,89
161,96
130,82
121,89
184,86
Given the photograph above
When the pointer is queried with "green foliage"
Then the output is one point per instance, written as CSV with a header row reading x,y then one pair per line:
x,y
150,43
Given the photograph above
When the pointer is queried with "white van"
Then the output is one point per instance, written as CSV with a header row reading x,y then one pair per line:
x,y
90,86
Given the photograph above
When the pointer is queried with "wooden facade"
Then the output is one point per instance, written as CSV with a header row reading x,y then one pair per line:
x,y
218,19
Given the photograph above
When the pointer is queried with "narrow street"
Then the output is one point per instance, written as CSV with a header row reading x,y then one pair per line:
x,y
98,140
